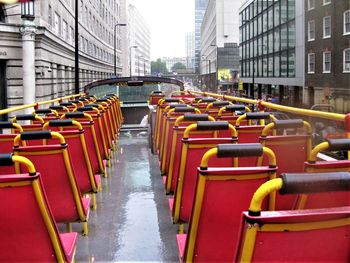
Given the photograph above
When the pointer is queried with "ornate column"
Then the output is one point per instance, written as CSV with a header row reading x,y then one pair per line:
x,y
61,80
69,87
28,32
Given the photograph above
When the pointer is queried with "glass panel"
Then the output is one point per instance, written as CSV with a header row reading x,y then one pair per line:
x,y
291,9
284,17
291,34
284,40
270,43
260,24
277,66
270,66
277,39
277,14
264,21
284,61
260,68
264,66
291,64
270,14
264,45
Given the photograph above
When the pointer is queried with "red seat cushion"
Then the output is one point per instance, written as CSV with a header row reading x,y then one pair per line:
x,y
69,241
181,243
97,180
171,204
86,204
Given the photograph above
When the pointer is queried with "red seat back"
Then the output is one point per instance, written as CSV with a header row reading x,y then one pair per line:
x,y
192,151
80,160
59,182
297,236
221,196
329,199
291,153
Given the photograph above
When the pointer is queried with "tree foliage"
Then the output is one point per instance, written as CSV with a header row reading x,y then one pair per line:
x,y
158,66
177,66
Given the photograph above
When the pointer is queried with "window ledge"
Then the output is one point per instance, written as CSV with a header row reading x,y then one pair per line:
x,y
326,37
326,72
311,72
346,33
310,40
346,71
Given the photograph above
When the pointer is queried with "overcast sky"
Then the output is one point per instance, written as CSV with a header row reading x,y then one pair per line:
x,y
169,20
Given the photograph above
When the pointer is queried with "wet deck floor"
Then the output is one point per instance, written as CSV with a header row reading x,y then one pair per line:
x,y
132,222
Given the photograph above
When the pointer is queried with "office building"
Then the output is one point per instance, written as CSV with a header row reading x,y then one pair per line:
x,y
272,49
199,9
327,60
219,31
139,39
54,36
190,50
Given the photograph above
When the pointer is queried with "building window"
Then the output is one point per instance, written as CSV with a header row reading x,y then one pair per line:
x,y
49,14
57,23
327,62
347,22
327,27
65,30
310,4
326,2
311,63
346,60
311,30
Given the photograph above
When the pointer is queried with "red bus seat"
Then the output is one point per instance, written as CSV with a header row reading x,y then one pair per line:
x,y
6,143
285,147
167,137
191,154
162,104
174,154
230,113
222,194
88,182
93,145
61,187
330,199
313,235
155,96
28,229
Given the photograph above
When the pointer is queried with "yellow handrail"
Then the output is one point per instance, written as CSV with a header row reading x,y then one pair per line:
x,y
22,107
305,112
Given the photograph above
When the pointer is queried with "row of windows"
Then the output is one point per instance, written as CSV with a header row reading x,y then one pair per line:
x,y
278,14
279,39
274,65
311,3
327,62
327,26
259,6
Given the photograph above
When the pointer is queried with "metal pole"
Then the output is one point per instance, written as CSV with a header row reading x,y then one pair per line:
x,y
76,89
115,50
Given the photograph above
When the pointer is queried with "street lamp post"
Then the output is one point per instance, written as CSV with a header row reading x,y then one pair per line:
x,y
115,47
130,48
76,46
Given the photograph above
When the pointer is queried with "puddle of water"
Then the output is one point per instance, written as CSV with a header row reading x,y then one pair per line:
x,y
139,237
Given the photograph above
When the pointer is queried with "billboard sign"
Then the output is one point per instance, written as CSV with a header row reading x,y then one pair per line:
x,y
227,76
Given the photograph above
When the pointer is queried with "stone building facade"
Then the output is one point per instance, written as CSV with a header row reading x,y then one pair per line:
x,y
54,47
